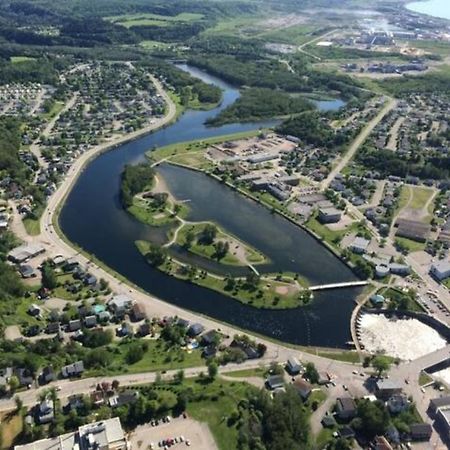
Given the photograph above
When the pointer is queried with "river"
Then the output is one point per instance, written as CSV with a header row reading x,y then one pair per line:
x,y
435,8
93,218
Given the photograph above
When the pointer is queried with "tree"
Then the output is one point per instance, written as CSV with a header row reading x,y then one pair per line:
x,y
14,383
179,377
135,353
221,249
19,403
208,234
252,281
372,418
381,364
189,239
49,279
156,255
311,373
212,370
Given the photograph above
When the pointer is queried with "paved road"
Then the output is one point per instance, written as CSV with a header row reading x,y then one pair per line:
x,y
391,103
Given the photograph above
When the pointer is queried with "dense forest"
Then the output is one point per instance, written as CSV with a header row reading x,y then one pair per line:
x,y
134,180
312,130
185,85
261,103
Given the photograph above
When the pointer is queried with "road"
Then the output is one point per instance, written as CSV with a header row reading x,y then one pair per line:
x,y
391,103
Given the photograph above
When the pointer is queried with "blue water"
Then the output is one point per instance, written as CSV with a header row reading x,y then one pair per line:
x,y
436,8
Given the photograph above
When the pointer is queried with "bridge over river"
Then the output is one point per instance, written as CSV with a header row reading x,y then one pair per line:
x,y
346,284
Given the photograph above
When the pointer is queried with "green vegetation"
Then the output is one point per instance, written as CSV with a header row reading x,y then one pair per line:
x,y
408,245
346,356
209,241
133,20
401,300
260,103
424,378
279,292
135,179
32,226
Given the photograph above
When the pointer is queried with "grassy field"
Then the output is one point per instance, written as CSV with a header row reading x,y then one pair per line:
x,y
147,19
208,251
420,196
221,399
440,48
146,213
21,59
32,226
55,109
244,373
410,245
346,356
11,427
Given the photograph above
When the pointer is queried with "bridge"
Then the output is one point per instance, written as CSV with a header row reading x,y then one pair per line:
x,y
346,284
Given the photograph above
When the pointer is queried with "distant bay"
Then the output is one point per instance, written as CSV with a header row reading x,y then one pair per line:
x,y
435,8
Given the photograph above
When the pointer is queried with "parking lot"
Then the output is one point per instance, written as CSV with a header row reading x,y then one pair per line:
x,y
196,435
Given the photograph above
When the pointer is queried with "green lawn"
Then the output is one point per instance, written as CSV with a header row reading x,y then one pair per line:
x,y
158,357
32,226
208,251
20,59
221,399
346,356
409,244
148,19
146,213
244,373
424,378
420,196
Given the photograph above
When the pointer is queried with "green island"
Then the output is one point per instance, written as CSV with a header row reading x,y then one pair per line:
x,y
271,291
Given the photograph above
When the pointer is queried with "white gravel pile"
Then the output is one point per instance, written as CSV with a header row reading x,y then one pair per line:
x,y
406,339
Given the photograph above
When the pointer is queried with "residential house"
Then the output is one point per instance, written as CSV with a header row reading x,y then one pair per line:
x,y
45,411
303,388
195,329
48,375
120,304
74,325
381,443
144,329
5,374
293,366
275,382
345,408
137,313
73,370
123,398
34,310
440,270
211,337
52,327
90,321
24,376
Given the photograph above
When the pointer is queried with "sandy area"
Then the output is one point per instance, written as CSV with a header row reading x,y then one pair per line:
x,y
406,339
196,432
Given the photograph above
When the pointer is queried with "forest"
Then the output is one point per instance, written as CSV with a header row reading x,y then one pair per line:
x,y
261,103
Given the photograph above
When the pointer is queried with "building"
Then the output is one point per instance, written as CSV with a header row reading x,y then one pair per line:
x,y
104,435
397,403
137,313
90,321
413,229
303,388
359,245
345,408
275,382
443,417
45,412
386,388
440,270
329,215
120,304
293,366
381,443
377,300
421,431
437,403
195,329
73,370
25,252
